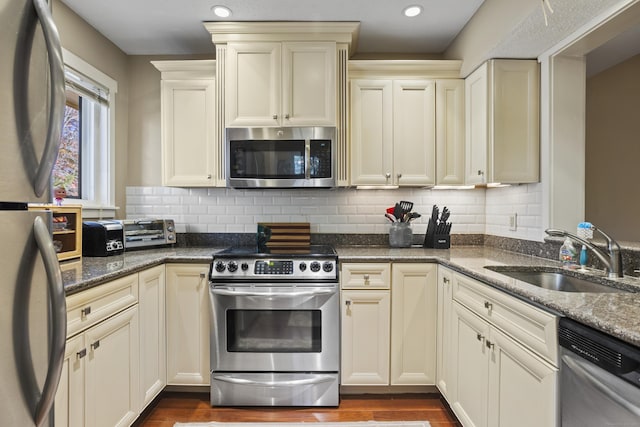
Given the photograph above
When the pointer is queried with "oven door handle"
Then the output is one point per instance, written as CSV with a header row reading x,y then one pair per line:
x,y
588,377
288,294
291,383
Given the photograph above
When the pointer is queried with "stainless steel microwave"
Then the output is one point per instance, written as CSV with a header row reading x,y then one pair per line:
x,y
287,157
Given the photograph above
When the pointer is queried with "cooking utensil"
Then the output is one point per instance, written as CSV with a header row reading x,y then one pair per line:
x,y
406,206
412,215
390,217
397,211
390,210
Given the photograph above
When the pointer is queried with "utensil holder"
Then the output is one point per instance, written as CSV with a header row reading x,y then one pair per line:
x,y
400,235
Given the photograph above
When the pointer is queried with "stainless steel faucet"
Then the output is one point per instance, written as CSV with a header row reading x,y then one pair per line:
x,y
612,260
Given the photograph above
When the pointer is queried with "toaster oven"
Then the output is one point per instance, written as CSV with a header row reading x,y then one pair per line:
x,y
148,232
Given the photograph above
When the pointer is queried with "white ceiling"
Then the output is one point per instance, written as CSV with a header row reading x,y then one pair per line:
x,y
174,27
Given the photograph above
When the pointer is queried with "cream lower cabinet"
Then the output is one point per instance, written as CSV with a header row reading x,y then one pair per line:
x,y
99,383
444,355
388,326
189,146
153,353
498,380
188,324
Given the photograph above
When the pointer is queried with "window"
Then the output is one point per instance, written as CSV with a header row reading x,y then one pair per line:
x,y
85,160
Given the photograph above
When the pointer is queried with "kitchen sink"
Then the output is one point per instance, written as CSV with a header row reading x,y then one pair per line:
x,y
554,279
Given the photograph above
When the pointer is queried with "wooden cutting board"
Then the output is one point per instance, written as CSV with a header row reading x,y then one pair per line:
x,y
284,235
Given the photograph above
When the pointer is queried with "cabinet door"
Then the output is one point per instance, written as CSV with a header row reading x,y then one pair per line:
x,y
476,136
252,87
450,137
69,403
187,324
522,387
515,123
414,132
445,355
308,84
470,367
153,361
365,337
413,324
188,133
371,132
112,371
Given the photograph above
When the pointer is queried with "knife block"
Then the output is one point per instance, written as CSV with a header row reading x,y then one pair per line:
x,y
436,241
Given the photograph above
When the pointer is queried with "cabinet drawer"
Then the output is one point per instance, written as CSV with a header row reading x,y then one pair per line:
x,y
531,326
365,276
89,307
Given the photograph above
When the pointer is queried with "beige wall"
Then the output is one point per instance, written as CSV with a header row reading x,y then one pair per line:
x,y
84,41
613,150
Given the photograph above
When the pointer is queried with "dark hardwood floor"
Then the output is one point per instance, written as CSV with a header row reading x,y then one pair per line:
x,y
192,407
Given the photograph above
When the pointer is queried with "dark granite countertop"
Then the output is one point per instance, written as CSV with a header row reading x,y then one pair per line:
x,y
614,313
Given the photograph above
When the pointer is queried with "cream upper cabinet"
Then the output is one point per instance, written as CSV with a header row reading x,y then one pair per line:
x,y
450,135
502,101
187,324
281,84
189,145
388,324
393,132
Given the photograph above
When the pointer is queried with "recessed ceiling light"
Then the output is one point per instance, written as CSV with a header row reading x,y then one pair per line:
x,y
221,11
412,11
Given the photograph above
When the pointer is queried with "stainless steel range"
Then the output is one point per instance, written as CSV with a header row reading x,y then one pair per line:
x,y
275,332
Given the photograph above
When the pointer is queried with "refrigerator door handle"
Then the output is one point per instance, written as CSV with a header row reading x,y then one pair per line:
x,y
57,97
58,319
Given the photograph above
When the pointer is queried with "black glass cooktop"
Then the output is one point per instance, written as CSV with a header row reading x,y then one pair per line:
x,y
260,251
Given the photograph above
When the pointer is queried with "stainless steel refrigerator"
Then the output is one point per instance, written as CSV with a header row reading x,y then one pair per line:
x,y
32,301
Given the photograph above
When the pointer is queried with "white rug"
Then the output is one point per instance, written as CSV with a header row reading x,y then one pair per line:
x,y
311,424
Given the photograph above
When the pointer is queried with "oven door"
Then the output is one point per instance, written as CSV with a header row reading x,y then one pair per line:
x,y
275,328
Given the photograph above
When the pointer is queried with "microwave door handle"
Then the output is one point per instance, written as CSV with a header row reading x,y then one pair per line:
x,y
307,156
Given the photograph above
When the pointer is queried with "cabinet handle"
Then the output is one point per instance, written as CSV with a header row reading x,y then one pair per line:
x,y
488,305
203,274
366,279
82,353
95,345
479,337
209,176
275,117
85,311
347,303
445,280
387,175
480,172
489,344
399,175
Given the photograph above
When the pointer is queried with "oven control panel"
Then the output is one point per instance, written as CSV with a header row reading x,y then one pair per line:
x,y
324,269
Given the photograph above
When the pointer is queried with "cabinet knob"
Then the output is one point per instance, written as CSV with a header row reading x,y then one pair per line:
x,y
203,274
399,175
387,175
209,176
286,116
489,344
275,117
347,303
85,311
480,173
366,279
445,280
488,305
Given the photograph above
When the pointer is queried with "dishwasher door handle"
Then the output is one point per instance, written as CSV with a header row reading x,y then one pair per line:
x,y
588,377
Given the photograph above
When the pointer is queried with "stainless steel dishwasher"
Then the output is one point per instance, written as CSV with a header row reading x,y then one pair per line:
x,y
600,378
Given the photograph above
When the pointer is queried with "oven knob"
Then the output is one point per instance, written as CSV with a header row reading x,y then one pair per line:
x,y
220,267
315,266
303,266
232,266
244,266
327,266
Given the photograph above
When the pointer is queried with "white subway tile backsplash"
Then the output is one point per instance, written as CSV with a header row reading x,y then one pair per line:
x,y
221,210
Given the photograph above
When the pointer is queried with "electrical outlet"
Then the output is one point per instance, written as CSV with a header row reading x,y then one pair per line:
x,y
513,222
